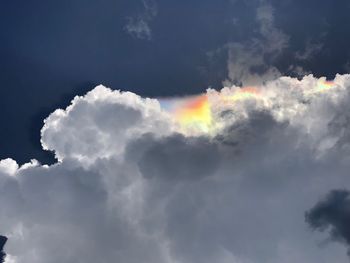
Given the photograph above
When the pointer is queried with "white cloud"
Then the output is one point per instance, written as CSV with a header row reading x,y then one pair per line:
x,y
8,166
10,259
133,186
111,119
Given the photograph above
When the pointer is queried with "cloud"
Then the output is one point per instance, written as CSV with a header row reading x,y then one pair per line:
x,y
263,53
144,180
251,62
333,214
311,49
2,244
110,120
197,157
138,26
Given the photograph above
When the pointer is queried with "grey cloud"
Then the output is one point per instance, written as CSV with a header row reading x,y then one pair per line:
x,y
194,158
332,214
64,215
260,125
298,71
338,126
260,58
2,244
139,28
276,39
250,63
311,49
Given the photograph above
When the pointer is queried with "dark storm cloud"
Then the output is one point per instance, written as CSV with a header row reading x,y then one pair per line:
x,y
2,244
332,215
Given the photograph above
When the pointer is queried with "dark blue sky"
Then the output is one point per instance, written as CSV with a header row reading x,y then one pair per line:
x,y
53,50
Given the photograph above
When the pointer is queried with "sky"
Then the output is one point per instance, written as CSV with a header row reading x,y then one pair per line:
x,y
175,131
51,52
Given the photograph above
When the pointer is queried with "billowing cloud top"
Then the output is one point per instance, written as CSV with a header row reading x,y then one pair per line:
x,y
224,176
284,99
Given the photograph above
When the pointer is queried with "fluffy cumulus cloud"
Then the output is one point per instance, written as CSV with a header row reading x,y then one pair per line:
x,y
225,176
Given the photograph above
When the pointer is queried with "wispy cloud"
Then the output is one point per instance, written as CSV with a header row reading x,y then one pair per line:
x,y
139,26
251,62
311,49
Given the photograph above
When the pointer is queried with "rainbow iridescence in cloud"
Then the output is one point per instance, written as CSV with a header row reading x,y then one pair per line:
x,y
196,112
324,86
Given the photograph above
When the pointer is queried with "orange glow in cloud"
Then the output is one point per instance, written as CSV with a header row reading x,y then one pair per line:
x,y
195,112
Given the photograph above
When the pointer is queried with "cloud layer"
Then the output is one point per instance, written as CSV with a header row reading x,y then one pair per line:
x,y
134,182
